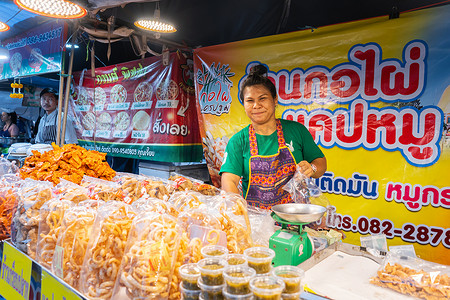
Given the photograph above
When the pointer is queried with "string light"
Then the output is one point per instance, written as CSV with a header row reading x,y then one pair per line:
x,y
60,9
3,27
155,25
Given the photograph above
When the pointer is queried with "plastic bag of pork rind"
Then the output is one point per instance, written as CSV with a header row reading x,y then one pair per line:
x,y
8,203
105,249
99,189
150,204
7,167
414,276
182,183
298,187
149,258
67,190
25,224
50,220
157,188
234,218
74,236
186,200
131,185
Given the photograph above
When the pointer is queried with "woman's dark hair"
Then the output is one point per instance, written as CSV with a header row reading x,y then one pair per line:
x,y
258,75
13,117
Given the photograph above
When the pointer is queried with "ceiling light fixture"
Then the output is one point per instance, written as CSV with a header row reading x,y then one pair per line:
x,y
60,9
155,24
3,27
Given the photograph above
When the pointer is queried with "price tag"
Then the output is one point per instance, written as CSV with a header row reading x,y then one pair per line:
x,y
88,133
82,107
58,257
119,106
99,107
103,134
142,105
167,104
139,134
120,134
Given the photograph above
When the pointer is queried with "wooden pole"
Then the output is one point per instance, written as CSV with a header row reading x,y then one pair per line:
x,y
67,91
58,120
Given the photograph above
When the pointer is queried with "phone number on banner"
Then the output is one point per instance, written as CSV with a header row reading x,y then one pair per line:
x,y
422,234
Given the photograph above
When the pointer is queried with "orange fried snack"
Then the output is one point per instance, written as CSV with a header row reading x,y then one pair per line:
x,y
8,200
417,283
70,162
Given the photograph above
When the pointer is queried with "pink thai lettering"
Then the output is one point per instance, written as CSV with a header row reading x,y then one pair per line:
x,y
416,134
366,75
416,196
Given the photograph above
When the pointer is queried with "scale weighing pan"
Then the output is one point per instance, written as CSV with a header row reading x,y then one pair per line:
x,y
299,212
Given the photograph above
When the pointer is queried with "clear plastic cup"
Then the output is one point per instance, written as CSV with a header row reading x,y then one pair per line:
x,y
260,259
214,251
189,274
234,259
211,270
237,279
266,287
209,292
292,277
189,294
229,296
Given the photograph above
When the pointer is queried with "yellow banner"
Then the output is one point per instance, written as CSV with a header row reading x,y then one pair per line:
x,y
15,274
52,289
375,95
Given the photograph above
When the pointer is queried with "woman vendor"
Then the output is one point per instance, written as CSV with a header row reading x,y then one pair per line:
x,y
265,154
10,129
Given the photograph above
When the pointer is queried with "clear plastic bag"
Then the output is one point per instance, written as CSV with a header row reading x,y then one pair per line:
x,y
182,183
67,190
234,220
8,203
262,224
7,167
99,189
298,187
414,276
105,249
25,224
51,217
131,185
149,258
157,188
74,236
186,200
154,205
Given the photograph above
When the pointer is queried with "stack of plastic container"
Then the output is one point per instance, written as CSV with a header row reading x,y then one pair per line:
x,y
189,274
292,277
211,281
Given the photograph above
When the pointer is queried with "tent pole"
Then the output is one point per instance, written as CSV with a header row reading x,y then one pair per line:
x,y
67,91
58,120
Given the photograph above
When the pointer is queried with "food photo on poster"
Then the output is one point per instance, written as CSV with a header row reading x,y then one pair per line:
x,y
290,156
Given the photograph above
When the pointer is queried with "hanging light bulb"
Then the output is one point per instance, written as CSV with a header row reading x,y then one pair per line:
x,y
155,24
60,9
3,27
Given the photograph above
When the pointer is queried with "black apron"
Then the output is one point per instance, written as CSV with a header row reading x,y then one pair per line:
x,y
49,133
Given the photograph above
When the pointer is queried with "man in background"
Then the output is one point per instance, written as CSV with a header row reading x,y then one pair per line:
x,y
48,124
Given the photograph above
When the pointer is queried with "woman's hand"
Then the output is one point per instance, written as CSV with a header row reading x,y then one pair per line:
x,y
308,170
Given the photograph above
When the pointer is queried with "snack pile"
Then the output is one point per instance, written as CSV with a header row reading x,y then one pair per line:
x,y
70,162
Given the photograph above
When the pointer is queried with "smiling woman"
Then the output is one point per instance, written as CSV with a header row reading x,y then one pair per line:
x,y
266,153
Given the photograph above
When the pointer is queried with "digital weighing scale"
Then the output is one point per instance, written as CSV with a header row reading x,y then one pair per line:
x,y
291,244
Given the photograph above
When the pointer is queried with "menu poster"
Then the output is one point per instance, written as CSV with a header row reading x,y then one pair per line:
x,y
140,109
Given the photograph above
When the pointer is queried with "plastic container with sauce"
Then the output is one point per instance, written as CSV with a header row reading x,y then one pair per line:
x,y
189,274
234,259
237,279
292,296
210,292
266,287
260,259
214,251
211,270
292,277
189,294
228,296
